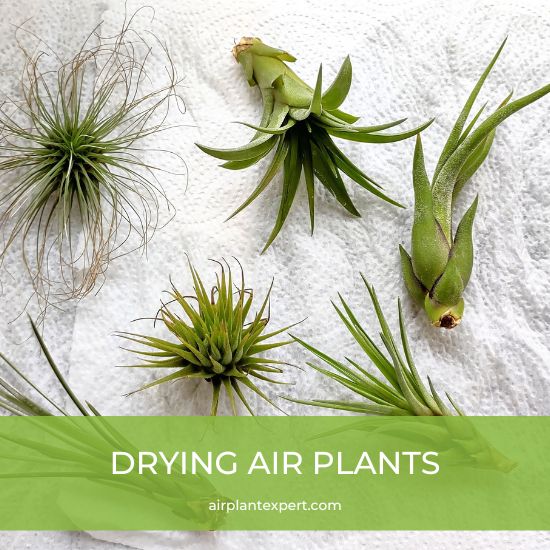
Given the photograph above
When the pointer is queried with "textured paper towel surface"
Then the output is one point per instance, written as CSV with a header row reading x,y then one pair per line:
x,y
411,59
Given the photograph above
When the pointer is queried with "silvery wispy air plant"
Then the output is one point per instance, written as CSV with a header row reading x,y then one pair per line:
x,y
439,266
78,189
299,122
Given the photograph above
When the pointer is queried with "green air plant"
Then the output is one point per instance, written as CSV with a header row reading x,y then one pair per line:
x,y
298,123
83,450
77,187
401,394
17,401
214,340
440,264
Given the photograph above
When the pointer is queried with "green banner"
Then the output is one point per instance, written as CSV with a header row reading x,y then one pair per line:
x,y
202,473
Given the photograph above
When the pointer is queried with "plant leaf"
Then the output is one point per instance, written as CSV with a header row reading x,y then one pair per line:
x,y
260,145
292,171
476,159
443,186
455,135
274,167
339,89
414,286
369,137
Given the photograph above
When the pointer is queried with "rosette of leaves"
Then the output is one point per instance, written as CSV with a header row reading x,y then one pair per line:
x,y
299,123
438,269
77,187
214,340
399,392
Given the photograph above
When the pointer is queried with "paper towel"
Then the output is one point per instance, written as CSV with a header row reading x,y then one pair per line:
x,y
416,59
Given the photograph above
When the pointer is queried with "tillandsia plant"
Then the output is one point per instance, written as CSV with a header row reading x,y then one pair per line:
x,y
84,450
18,401
77,187
299,123
440,264
215,341
401,394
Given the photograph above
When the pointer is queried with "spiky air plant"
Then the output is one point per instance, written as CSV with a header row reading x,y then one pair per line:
x,y
401,394
440,264
299,124
78,188
85,450
214,341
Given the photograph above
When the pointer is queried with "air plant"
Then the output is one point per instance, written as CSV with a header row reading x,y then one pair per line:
x,y
84,450
402,393
299,124
77,189
19,402
214,341
440,264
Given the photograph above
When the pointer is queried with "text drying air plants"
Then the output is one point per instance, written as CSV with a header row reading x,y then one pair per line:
x,y
299,122
215,341
77,189
440,264
402,394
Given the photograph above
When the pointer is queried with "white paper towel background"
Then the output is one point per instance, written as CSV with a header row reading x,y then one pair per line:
x,y
417,59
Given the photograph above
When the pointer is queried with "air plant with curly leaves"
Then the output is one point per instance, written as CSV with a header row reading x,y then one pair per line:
x,y
439,267
214,340
299,122
76,185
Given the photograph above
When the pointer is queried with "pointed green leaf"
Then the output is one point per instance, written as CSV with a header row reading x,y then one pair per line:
x,y
315,107
327,173
346,117
251,150
216,386
368,137
462,252
292,171
344,164
427,398
273,131
309,178
449,288
476,159
239,393
229,392
339,89
455,135
56,371
274,167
